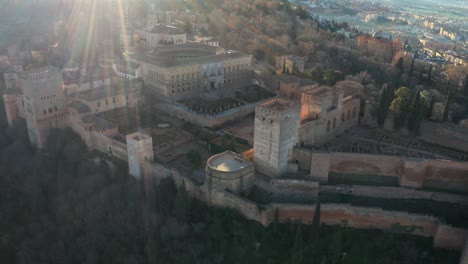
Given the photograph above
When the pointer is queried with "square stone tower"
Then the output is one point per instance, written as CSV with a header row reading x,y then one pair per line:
x,y
276,133
139,149
44,102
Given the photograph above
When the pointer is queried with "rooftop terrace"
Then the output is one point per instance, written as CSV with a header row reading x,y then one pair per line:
x,y
228,161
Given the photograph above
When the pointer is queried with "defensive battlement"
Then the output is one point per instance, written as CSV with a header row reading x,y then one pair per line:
x,y
41,73
277,107
138,138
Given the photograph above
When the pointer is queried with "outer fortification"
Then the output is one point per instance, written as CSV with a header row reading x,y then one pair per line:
x,y
276,131
44,102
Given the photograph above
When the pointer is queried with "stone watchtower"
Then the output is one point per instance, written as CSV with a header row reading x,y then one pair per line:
x,y
139,149
11,109
151,19
44,102
276,133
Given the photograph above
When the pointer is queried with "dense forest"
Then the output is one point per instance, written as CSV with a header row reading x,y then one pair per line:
x,y
64,204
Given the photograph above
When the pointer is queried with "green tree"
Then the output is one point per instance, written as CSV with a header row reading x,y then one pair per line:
x,y
299,240
181,203
416,114
194,157
410,73
465,87
335,249
401,105
385,100
317,74
316,224
430,108
331,77
447,105
276,220
399,65
429,75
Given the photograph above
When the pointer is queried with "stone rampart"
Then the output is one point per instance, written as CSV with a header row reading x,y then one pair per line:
x,y
412,172
351,163
450,237
109,145
331,214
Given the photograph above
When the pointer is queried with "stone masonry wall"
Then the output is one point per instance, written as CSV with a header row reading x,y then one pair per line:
x,y
413,172
331,214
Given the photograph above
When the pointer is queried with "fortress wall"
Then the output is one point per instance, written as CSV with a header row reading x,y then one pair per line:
x,y
352,163
440,174
358,217
412,172
303,157
287,185
450,237
246,208
154,172
320,166
331,214
108,145
447,175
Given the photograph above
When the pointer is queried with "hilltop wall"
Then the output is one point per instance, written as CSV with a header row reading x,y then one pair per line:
x,y
411,172
331,214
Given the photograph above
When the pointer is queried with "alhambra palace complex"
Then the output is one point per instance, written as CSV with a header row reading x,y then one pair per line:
x,y
171,72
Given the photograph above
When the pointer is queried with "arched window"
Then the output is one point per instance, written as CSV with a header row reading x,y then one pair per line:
x,y
334,123
342,117
347,115
328,126
354,112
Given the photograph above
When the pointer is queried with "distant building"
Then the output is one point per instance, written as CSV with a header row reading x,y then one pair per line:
x,y
182,71
326,114
310,116
45,102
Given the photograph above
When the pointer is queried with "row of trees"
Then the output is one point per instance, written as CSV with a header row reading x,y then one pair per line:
x,y
410,107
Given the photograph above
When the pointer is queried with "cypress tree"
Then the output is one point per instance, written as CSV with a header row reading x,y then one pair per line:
x,y
415,116
276,220
465,87
298,241
411,68
429,75
335,250
399,65
316,224
284,65
430,109
381,113
446,106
